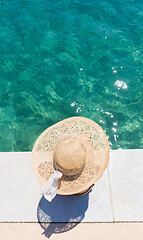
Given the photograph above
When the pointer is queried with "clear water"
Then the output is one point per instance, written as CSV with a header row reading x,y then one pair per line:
x,y
67,58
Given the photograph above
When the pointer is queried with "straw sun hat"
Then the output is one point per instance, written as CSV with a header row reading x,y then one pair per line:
x,y
78,148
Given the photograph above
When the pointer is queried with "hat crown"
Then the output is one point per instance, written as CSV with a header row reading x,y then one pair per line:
x,y
69,155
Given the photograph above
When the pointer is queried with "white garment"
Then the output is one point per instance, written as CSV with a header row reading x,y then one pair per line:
x,y
50,190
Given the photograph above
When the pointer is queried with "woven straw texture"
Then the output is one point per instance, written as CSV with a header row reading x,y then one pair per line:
x,y
97,154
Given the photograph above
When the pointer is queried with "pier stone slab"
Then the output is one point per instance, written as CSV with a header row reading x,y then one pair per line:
x,y
19,188
82,231
126,177
21,200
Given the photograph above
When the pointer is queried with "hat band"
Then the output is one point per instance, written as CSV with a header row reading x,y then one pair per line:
x,y
68,174
50,190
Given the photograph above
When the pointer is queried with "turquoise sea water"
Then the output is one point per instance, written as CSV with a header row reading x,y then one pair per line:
x,y
64,58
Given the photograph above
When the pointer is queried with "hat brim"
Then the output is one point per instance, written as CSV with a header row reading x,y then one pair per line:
x,y
97,150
